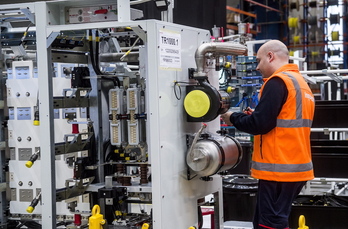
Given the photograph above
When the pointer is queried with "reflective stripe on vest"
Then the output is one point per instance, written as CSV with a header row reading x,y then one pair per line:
x,y
283,168
298,122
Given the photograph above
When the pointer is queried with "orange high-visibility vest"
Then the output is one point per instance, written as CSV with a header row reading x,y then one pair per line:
x,y
284,153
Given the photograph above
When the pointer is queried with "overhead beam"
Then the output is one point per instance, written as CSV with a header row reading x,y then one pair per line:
x,y
240,11
265,6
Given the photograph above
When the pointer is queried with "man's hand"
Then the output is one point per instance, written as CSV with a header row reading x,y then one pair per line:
x,y
226,117
248,111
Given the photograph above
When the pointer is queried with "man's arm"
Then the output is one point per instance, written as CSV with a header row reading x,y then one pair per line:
x,y
264,117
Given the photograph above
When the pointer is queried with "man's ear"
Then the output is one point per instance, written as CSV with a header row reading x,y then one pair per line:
x,y
270,56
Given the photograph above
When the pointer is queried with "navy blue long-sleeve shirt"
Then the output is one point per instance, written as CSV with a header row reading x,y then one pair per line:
x,y
264,117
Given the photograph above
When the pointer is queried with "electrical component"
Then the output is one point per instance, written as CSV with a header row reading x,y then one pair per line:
x,y
116,116
133,96
36,121
32,159
79,77
33,203
162,5
80,166
97,13
204,103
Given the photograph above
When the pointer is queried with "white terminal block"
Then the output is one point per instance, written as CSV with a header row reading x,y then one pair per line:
x,y
133,101
115,105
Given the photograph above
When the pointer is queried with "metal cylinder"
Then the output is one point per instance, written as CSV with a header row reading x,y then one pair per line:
x,y
214,154
115,57
241,28
225,102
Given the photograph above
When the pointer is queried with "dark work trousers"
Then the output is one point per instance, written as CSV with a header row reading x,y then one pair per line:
x,y
274,200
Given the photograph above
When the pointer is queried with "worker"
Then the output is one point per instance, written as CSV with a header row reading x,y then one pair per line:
x,y
281,124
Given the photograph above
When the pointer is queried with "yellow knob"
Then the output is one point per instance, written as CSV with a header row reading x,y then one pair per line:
x,y
30,209
227,65
36,123
197,103
229,89
192,228
29,164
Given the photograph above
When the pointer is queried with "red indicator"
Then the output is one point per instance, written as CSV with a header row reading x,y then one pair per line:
x,y
101,11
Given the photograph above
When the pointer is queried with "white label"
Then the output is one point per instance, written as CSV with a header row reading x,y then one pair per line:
x,y
170,49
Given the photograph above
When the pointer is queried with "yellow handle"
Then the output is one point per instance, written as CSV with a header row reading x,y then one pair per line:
x,y
95,210
29,164
145,226
96,220
30,209
302,223
229,89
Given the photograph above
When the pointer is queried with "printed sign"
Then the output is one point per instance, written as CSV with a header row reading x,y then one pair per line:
x,y
170,49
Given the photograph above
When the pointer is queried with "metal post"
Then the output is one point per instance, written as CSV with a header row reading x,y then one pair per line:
x,y
168,14
47,154
3,200
123,10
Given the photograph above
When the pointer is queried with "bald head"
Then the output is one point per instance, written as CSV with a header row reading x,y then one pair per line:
x,y
277,47
271,56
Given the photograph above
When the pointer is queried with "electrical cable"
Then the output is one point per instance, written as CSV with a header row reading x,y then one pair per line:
x,y
97,39
94,55
130,49
91,51
177,85
25,33
30,224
